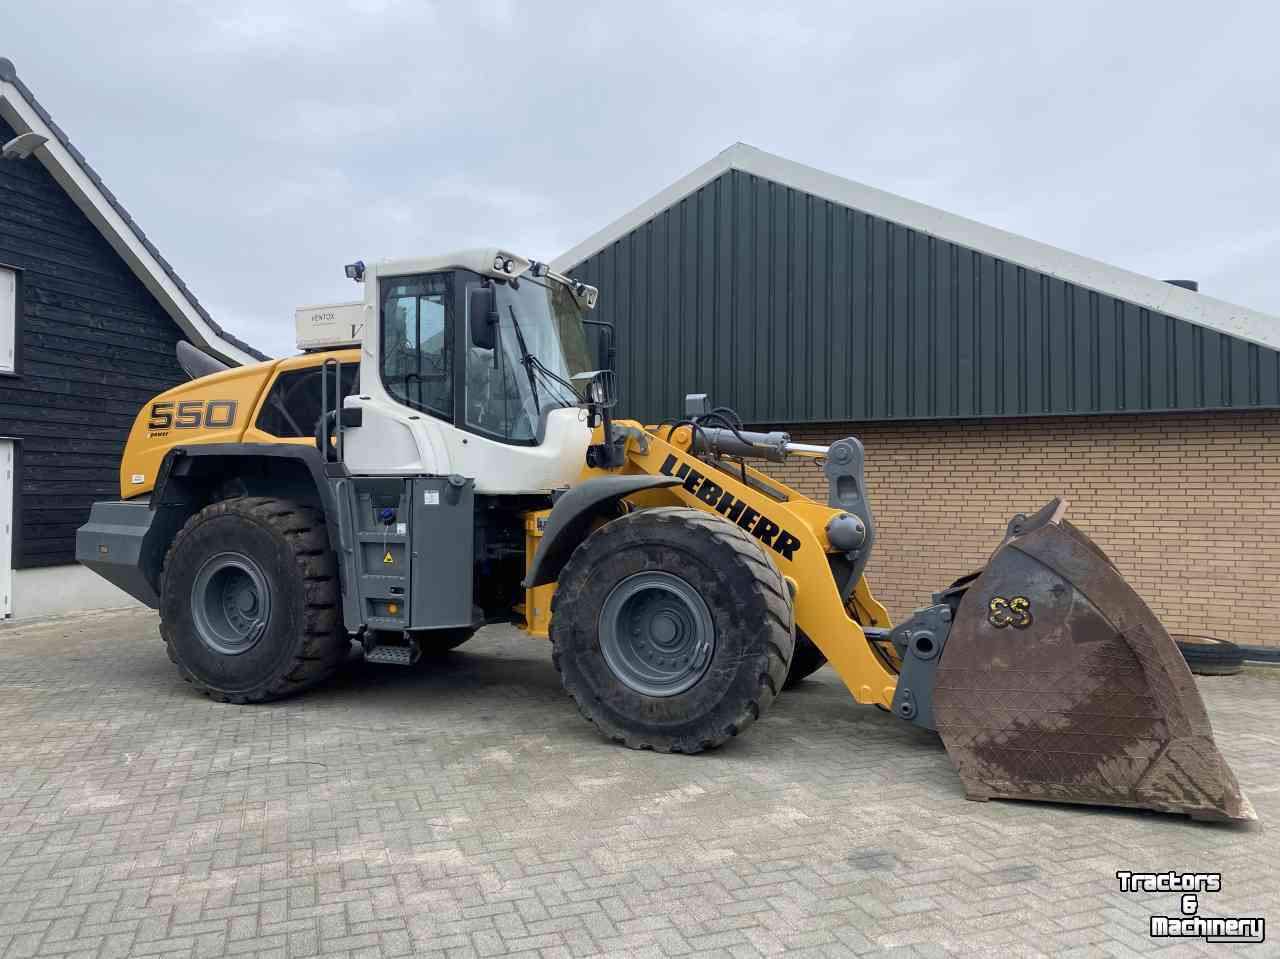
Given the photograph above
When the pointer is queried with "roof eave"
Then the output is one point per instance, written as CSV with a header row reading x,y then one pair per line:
x,y
68,167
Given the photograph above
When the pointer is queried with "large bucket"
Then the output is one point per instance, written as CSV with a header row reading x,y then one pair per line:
x,y
1058,683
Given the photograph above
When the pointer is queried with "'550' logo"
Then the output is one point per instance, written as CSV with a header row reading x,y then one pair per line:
x,y
192,414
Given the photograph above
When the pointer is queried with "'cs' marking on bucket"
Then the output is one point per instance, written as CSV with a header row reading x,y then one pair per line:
x,y
1015,612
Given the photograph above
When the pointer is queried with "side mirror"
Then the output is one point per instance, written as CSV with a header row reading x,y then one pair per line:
x,y
605,353
482,317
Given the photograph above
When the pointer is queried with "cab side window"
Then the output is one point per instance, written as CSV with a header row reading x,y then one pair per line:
x,y
293,403
417,341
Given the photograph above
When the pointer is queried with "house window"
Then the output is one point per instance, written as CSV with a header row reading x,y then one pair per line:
x,y
293,405
8,319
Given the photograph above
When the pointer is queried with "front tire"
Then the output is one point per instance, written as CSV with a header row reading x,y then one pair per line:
x,y
249,606
671,630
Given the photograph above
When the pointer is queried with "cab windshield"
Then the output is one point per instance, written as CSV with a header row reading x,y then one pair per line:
x,y
540,346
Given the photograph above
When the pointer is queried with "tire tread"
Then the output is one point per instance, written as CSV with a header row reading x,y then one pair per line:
x,y
766,582
325,642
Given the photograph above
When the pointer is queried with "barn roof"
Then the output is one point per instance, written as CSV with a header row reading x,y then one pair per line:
x,y
23,112
1143,291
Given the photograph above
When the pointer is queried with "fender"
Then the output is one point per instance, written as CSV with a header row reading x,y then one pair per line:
x,y
182,461
125,542
571,519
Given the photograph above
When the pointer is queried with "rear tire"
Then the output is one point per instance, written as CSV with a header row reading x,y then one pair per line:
x,y
249,607
671,630
807,660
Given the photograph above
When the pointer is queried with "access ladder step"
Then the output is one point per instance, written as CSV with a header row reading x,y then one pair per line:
x,y
393,655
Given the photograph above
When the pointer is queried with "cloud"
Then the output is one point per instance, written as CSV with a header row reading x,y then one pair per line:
x,y
262,145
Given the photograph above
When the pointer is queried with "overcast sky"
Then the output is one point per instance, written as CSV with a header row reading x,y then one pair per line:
x,y
262,145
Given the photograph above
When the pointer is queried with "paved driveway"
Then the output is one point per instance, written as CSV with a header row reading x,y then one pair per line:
x,y
466,810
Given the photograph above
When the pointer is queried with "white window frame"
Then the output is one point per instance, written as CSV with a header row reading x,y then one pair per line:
x,y
8,320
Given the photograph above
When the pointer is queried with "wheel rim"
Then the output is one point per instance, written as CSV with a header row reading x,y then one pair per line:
x,y
230,603
656,634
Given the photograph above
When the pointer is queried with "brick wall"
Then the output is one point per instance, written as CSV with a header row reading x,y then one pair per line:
x,y
1187,505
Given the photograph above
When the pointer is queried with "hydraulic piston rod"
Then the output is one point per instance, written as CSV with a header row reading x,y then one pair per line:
x,y
774,446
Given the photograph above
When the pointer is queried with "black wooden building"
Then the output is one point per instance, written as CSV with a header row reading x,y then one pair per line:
x,y
90,313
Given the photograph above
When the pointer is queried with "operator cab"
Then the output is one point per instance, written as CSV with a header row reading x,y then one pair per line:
x,y
472,364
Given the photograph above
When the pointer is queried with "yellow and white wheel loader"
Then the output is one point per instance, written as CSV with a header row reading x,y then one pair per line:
x,y
442,455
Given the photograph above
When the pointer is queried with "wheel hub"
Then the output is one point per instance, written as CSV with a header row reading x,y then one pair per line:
x,y
230,603
656,633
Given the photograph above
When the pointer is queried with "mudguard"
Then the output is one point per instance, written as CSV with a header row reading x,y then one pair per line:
x,y
1058,683
571,519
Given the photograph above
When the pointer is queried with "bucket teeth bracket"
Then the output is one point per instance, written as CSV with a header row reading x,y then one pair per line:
x,y
920,642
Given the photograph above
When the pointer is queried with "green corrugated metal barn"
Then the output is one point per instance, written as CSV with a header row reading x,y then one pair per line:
x,y
984,371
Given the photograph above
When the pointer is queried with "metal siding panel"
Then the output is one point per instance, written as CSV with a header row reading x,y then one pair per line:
x,y
988,350
1211,357
819,343
705,295
841,317
624,300
667,292
722,341
1188,389
746,313
639,319
923,336
966,366
1036,363
798,370
762,333
1083,325
1242,372
1135,371
899,357
942,325
1058,330
880,367
1159,359
860,339
1268,378
779,263
687,332
1107,352
1011,370
622,312
676,348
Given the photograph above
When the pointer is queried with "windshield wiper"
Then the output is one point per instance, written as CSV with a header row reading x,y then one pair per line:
x,y
551,378
526,358
534,367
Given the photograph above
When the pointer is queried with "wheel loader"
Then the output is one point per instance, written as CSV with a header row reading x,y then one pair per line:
x,y
443,454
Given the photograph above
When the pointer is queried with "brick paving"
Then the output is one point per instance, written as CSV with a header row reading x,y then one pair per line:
x,y
463,809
